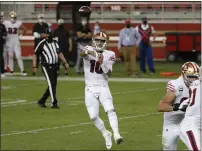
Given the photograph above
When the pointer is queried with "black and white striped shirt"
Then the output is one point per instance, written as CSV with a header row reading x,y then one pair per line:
x,y
48,52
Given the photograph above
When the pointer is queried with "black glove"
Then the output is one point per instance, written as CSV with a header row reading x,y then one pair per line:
x,y
184,108
176,106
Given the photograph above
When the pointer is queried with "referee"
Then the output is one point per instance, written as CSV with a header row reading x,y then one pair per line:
x,y
49,52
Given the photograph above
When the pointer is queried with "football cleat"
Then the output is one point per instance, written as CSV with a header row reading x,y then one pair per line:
x,y
11,73
118,139
108,139
23,73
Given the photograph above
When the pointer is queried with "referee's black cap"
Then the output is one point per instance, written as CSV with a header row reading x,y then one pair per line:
x,y
49,31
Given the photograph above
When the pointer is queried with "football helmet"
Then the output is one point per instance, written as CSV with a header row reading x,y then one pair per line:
x,y
100,41
190,72
13,16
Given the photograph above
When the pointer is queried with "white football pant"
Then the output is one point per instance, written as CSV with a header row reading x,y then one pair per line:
x,y
190,133
170,137
11,50
94,95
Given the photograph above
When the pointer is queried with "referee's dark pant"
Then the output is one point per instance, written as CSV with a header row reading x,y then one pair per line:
x,y
50,73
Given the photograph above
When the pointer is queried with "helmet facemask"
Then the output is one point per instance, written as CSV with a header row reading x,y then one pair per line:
x,y
100,41
100,44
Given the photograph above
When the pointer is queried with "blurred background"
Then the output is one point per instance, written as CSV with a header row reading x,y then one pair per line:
x,y
178,24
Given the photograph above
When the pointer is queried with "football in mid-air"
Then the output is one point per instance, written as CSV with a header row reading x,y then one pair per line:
x,y
85,11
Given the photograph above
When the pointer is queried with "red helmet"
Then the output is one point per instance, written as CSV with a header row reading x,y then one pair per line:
x,y
100,41
190,72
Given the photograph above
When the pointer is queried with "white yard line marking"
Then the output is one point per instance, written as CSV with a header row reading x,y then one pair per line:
x,y
75,125
82,79
8,87
13,102
81,97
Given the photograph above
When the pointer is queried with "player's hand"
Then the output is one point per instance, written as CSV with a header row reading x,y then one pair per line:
x,y
100,58
92,53
183,106
176,106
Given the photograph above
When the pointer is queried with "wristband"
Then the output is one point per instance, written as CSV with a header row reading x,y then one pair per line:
x,y
34,67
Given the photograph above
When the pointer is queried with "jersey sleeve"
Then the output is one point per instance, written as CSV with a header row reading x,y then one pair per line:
x,y
110,61
173,87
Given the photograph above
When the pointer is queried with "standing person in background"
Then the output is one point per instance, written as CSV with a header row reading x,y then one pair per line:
x,y
127,48
84,38
64,42
145,48
39,33
96,28
15,30
3,34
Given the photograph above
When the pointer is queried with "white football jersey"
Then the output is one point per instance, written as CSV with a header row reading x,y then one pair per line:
x,y
194,101
182,93
93,72
12,31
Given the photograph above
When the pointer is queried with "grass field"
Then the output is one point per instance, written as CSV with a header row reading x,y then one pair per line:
x,y
25,126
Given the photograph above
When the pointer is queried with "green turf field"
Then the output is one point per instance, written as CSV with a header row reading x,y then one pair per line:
x,y
25,126
118,69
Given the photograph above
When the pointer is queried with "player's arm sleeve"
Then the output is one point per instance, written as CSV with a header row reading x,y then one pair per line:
x,y
107,65
172,87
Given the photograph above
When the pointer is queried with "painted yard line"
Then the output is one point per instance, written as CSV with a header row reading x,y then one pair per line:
x,y
8,87
75,125
82,79
13,102
82,97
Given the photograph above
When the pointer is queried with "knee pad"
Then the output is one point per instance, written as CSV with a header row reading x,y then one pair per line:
x,y
95,118
112,111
